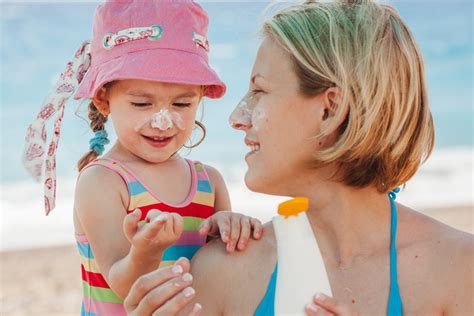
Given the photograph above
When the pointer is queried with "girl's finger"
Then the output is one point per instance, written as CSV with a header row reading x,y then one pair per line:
x,y
159,222
205,226
223,226
234,233
152,214
245,231
130,223
177,224
149,281
257,228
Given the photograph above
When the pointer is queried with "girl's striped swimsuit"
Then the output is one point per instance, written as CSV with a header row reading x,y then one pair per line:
x,y
98,298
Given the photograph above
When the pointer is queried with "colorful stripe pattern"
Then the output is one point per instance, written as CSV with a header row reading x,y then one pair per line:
x,y
98,298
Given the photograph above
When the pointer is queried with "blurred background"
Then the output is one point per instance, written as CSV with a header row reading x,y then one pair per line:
x,y
39,268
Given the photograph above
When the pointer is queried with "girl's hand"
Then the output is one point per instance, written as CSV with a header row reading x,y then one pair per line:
x,y
235,229
324,305
160,230
165,291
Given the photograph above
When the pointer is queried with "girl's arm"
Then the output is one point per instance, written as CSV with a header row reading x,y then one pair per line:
x,y
222,198
100,206
235,229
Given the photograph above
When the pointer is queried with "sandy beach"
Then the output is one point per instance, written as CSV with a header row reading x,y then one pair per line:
x,y
46,281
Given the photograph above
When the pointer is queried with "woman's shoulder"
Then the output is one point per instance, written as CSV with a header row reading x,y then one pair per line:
x,y
227,276
439,257
214,256
418,229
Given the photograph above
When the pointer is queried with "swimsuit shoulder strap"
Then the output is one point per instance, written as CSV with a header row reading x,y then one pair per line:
x,y
394,301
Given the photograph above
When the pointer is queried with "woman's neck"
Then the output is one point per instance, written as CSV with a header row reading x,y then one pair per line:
x,y
348,222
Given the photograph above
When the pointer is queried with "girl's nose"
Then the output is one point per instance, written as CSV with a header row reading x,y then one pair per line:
x,y
241,117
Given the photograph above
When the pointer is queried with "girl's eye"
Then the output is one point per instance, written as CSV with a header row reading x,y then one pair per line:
x,y
181,104
140,104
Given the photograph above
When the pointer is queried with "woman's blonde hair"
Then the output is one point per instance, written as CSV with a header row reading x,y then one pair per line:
x,y
366,50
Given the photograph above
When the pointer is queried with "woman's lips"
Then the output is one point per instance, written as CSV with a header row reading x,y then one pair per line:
x,y
158,142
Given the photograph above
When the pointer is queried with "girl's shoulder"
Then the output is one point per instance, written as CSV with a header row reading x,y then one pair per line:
x,y
96,181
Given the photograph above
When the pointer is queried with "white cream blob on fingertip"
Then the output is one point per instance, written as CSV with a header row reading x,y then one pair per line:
x,y
162,120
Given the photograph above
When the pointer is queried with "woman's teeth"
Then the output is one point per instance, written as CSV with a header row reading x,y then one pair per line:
x,y
255,147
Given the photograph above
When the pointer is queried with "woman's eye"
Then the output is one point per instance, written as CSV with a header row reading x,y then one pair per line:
x,y
140,104
181,104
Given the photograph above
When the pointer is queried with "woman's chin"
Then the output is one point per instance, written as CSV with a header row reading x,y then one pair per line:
x,y
250,181
254,183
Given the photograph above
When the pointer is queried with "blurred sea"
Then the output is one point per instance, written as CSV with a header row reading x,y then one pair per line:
x,y
38,38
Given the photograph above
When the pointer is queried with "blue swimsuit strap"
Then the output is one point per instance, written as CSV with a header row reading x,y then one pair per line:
x,y
267,305
394,300
394,308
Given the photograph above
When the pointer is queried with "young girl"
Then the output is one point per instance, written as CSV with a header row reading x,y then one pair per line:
x,y
147,69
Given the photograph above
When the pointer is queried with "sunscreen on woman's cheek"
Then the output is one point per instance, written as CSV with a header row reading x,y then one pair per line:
x,y
163,120
258,117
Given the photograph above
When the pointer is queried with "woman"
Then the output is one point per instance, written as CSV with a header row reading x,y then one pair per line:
x,y
337,111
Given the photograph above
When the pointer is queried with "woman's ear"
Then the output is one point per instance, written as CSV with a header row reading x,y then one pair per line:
x,y
101,102
331,99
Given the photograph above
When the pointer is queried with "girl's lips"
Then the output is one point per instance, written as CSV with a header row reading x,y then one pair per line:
x,y
158,142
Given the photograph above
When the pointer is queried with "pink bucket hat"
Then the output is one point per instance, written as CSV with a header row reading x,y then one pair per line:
x,y
158,40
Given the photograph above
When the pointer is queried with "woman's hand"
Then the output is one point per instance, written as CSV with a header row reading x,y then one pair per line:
x,y
234,229
324,305
165,291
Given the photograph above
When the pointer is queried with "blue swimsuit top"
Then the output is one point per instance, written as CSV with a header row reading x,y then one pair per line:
x,y
394,308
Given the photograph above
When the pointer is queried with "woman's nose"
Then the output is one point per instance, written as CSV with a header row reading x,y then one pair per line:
x,y
241,117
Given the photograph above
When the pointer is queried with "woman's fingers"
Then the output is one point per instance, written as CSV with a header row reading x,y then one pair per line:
x,y
315,310
159,296
332,305
177,303
196,311
149,281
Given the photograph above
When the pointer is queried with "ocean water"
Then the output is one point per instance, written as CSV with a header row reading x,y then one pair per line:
x,y
38,38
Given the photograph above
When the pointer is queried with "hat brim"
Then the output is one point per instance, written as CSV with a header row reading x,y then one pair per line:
x,y
164,65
